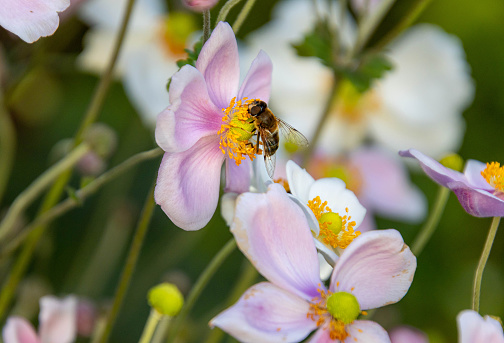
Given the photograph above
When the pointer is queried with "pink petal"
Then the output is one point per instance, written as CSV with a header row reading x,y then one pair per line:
x,y
272,231
31,19
407,334
238,177
473,328
300,181
472,172
366,331
190,116
257,83
377,268
218,62
188,184
58,319
477,202
435,170
322,336
386,187
19,330
266,313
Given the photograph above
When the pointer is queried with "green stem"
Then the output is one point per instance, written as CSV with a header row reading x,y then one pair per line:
x,y
405,22
57,189
7,145
243,15
206,25
25,198
131,261
200,285
482,262
150,326
432,222
225,9
80,196
318,130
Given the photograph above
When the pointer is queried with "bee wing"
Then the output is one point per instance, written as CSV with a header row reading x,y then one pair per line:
x,y
268,151
291,134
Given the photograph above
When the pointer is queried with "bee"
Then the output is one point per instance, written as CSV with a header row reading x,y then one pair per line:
x,y
266,127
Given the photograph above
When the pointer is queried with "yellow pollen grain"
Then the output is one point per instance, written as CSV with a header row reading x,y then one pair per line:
x,y
284,183
231,134
347,233
494,175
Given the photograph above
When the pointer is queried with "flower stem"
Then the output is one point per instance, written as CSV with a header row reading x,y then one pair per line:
x,y
482,262
150,326
25,198
79,197
243,15
131,261
57,189
7,145
206,25
318,130
200,285
432,222
225,9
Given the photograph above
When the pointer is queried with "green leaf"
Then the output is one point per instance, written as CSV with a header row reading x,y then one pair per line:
x,y
372,67
317,43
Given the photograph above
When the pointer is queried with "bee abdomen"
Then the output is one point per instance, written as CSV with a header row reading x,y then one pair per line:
x,y
272,143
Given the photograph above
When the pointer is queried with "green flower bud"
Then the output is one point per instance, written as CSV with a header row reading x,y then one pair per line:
x,y
166,299
453,161
343,306
102,138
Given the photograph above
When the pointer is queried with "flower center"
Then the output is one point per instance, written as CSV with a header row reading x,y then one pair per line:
x,y
494,175
284,183
236,130
335,230
335,311
452,161
353,105
175,31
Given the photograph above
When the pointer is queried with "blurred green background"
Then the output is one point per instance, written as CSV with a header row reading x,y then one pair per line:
x,y
84,251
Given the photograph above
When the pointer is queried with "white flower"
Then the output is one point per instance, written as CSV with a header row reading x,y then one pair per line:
x,y
418,104
149,54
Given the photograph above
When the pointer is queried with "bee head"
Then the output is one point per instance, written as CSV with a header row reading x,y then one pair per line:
x,y
256,107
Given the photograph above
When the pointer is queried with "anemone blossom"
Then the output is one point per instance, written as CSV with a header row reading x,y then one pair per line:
x,y
473,328
376,269
206,125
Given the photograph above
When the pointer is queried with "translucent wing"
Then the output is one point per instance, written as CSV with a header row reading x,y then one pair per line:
x,y
291,134
268,151
270,162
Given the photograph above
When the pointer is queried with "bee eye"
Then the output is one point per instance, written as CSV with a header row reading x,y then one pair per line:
x,y
255,110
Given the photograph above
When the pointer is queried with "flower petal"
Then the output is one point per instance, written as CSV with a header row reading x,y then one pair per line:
x,y
19,330
386,187
266,313
227,206
188,184
257,83
299,180
190,116
472,328
238,177
477,202
218,62
366,331
273,233
435,170
407,334
472,172
31,19
377,267
333,190
58,319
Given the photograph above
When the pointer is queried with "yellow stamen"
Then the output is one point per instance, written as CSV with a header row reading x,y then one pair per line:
x,y
494,175
328,235
236,131
284,183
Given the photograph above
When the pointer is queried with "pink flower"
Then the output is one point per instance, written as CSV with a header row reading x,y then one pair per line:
x,y
480,189
206,124
376,269
57,323
407,334
31,19
473,328
200,5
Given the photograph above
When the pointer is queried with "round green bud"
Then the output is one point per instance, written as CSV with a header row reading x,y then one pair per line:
x,y
166,299
453,161
343,306
334,219
102,138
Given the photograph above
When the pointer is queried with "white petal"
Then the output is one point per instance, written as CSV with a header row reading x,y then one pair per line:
x,y
58,319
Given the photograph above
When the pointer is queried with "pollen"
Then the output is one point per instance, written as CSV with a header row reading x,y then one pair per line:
x,y
494,175
336,230
236,131
318,313
283,182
